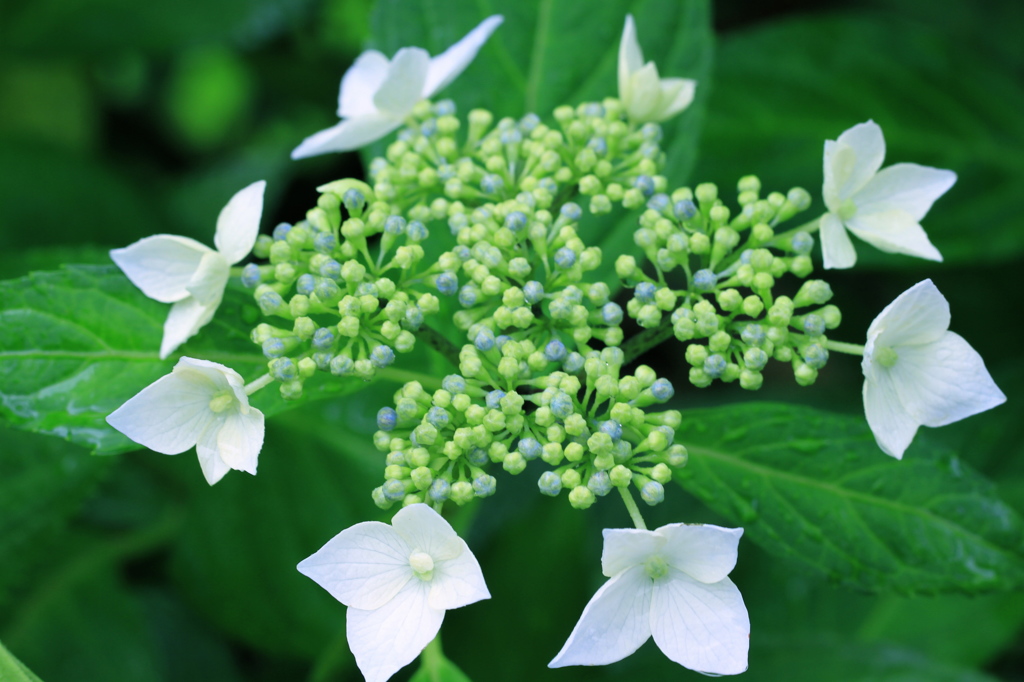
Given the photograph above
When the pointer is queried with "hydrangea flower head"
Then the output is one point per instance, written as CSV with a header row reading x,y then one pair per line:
x,y
378,94
397,581
199,404
882,207
192,276
646,96
917,372
671,583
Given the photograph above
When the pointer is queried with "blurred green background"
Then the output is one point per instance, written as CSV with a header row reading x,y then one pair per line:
x,y
120,119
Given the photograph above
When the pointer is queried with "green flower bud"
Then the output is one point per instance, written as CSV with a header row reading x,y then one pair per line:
x,y
573,452
706,193
581,497
660,473
571,478
514,463
700,244
699,378
801,266
422,477
696,354
753,306
751,380
719,342
812,292
621,476
600,204
462,492
831,315
729,300
804,375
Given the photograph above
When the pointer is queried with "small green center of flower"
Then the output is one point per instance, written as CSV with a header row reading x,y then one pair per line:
x,y
887,357
222,401
656,567
422,565
847,210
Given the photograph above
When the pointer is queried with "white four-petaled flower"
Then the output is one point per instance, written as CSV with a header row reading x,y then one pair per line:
x,y
192,276
201,404
670,583
917,372
397,581
646,96
377,95
882,207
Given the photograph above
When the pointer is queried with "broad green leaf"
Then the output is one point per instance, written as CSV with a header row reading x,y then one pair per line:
x,y
814,487
42,483
12,670
553,52
242,539
77,343
783,88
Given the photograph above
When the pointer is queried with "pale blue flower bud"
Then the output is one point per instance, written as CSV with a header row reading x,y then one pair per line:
x,y
755,358
445,107
394,225
484,485
573,363
457,222
493,398
753,335
283,369
815,355
305,284
704,280
327,290
715,365
653,493
600,483
453,383
413,318
612,428
478,457
561,405
529,122
501,339
598,145
323,361
428,127
251,276
685,209
645,292
484,340
814,325
382,356
555,350
571,211
565,258
492,184
354,201
407,409
645,184
323,338
270,302
468,295
659,202
438,417
439,490
663,390
550,483
386,418
611,314
802,243
281,231
447,283
274,348
394,490
342,365
511,136
416,231
325,243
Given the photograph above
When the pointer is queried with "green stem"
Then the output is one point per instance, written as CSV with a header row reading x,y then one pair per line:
x,y
634,511
780,240
840,347
647,339
402,376
257,384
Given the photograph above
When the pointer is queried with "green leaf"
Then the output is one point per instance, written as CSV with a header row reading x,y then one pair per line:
x,y
77,343
533,63
783,88
242,540
435,667
814,487
12,670
42,483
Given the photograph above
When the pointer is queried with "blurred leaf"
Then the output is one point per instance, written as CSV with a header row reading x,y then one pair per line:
x,y
48,101
237,554
42,483
533,63
20,262
98,624
209,95
814,487
79,342
12,670
436,668
783,88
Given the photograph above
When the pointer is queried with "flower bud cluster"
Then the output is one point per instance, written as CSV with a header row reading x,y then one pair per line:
x,y
594,434
729,299
592,146
350,310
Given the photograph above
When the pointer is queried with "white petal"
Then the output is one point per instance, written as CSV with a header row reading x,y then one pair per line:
x,y
702,627
386,639
919,315
446,67
161,265
893,428
628,547
210,279
836,248
944,381
867,144
364,566
167,416
218,376
676,95
905,186
403,86
894,231
363,78
631,58
352,133
214,467
183,321
458,582
238,224
427,531
240,440
615,623
704,552
644,101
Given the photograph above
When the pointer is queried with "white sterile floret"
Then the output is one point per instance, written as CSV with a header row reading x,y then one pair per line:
x,y
201,404
397,581
377,95
917,372
882,207
646,97
192,276
670,583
